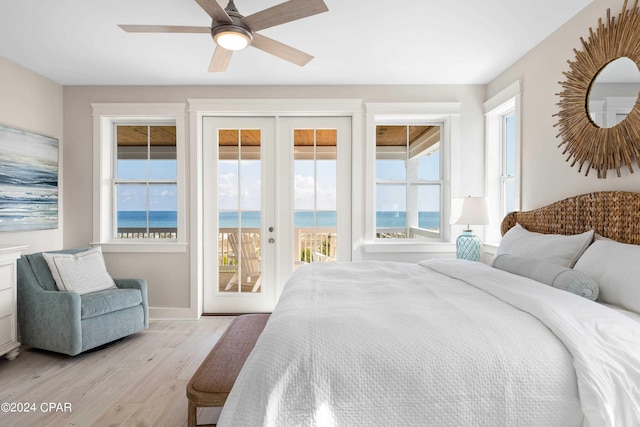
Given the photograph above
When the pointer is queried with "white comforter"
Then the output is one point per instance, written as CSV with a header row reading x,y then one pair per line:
x,y
445,343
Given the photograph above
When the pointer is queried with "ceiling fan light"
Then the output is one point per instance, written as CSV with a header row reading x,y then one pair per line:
x,y
232,39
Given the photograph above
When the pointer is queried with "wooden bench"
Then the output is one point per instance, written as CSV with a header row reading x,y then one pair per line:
x,y
212,382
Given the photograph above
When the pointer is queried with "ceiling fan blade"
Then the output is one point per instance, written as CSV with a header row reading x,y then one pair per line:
x,y
215,11
280,50
220,60
285,12
164,29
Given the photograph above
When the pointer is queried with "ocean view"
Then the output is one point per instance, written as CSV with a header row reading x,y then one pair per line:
x,y
138,219
168,219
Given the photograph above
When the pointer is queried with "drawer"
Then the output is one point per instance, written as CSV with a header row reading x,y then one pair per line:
x,y
6,329
6,276
6,302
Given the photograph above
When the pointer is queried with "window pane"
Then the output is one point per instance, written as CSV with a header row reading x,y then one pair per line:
x,y
391,153
509,145
132,210
163,211
391,206
429,207
509,196
429,166
163,198
162,152
132,152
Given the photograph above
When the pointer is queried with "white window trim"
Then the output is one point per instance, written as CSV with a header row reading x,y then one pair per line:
x,y
104,118
445,114
509,99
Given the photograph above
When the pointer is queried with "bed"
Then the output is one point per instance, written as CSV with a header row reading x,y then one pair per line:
x,y
448,342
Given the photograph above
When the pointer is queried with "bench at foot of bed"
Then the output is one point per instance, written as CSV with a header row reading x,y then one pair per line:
x,y
212,382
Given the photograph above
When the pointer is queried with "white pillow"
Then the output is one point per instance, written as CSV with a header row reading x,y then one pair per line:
x,y
555,248
81,273
616,268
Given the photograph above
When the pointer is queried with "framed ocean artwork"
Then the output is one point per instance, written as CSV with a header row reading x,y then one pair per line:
x,y
28,181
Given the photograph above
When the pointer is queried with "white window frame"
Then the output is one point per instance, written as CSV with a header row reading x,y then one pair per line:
x,y
506,102
105,117
410,180
443,114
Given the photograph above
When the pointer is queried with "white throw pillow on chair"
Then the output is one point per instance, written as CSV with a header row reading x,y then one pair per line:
x,y
82,273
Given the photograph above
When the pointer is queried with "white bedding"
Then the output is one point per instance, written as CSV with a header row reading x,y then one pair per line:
x,y
395,344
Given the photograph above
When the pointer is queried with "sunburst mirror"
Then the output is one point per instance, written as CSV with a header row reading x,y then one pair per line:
x,y
590,144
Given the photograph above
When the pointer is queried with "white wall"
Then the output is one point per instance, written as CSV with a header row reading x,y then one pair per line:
x,y
32,103
546,177
168,274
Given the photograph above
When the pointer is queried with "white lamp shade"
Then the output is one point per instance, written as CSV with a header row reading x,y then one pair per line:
x,y
470,211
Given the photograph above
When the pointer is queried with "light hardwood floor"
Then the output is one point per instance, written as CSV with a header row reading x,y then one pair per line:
x,y
140,381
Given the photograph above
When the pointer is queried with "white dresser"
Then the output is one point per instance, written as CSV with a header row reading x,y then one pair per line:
x,y
9,345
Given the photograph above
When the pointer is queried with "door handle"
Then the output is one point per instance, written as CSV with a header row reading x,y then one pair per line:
x,y
271,240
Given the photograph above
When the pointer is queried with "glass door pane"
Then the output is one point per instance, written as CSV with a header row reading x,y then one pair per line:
x,y
239,210
314,192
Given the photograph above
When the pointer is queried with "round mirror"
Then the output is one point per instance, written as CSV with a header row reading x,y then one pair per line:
x,y
614,92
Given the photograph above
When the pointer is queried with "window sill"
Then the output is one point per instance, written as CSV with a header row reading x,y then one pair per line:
x,y
491,248
411,246
142,247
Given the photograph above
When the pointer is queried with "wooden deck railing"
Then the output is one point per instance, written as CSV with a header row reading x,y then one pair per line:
x,y
309,246
143,233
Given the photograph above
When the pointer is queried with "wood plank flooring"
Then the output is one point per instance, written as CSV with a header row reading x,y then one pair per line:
x,y
140,381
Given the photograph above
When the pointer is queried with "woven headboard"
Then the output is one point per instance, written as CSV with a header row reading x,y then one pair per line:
x,y
612,214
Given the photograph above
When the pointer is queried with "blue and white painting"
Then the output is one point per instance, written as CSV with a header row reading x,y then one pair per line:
x,y
28,181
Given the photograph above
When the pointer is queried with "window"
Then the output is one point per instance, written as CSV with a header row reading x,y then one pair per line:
x,y
138,181
503,156
145,187
508,160
408,181
407,172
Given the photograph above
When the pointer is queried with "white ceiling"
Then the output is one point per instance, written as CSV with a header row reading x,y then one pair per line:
x,y
77,42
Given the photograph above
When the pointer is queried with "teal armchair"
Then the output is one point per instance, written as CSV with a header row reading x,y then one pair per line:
x,y
70,323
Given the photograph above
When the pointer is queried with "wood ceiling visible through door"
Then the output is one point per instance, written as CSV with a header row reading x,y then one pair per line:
x,y
301,137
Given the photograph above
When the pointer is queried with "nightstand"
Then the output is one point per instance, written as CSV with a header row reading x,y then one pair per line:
x,y
9,345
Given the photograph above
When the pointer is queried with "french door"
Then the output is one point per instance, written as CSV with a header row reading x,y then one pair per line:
x,y
271,204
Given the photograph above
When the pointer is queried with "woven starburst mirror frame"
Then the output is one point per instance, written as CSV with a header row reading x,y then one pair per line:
x,y
587,144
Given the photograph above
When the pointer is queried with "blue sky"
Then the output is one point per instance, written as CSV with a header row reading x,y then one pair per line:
x,y
134,197
392,198
246,194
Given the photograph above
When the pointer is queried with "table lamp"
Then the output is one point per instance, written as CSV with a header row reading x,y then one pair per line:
x,y
469,211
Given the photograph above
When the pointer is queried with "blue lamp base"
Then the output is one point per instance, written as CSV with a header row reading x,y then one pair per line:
x,y
468,246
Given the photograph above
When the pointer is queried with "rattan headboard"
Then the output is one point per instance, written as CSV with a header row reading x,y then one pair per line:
x,y
612,214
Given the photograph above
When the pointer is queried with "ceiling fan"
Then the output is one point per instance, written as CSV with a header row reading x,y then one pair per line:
x,y
232,31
